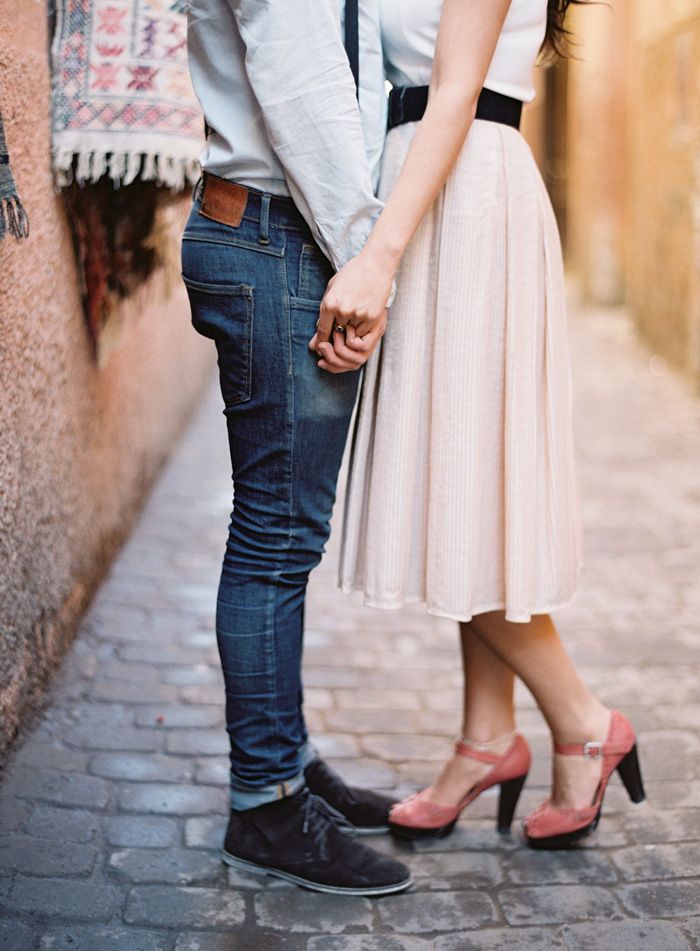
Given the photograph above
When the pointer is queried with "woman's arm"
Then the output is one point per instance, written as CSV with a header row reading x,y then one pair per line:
x,y
467,38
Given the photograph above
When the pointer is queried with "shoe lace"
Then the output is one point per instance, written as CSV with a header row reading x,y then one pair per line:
x,y
319,816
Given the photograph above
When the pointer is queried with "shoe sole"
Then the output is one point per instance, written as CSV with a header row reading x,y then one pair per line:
x,y
413,833
246,866
567,840
371,830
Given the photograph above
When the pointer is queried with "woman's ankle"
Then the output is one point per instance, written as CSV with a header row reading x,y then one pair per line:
x,y
583,725
499,746
487,733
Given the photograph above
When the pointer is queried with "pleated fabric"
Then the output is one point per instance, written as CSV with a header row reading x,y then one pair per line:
x,y
462,489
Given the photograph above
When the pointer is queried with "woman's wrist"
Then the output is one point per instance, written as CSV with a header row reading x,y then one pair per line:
x,y
384,254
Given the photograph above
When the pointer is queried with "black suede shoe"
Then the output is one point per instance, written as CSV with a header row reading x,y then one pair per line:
x,y
301,839
366,811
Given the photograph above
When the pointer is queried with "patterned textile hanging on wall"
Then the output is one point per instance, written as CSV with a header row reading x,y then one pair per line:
x,y
123,103
13,219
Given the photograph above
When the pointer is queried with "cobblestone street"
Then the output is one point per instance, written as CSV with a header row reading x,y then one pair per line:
x,y
112,809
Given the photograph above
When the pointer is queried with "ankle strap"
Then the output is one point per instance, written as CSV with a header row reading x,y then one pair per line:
x,y
594,749
483,756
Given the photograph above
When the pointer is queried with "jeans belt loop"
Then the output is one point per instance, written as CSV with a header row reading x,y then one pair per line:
x,y
265,219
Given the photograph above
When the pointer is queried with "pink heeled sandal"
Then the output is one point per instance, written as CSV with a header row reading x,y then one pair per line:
x,y
552,828
418,818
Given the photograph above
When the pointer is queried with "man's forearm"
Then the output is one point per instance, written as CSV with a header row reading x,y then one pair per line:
x,y
300,75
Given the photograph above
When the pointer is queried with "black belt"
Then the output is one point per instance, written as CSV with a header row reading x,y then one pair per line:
x,y
408,104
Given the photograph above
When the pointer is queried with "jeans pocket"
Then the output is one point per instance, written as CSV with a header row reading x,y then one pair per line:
x,y
315,271
224,313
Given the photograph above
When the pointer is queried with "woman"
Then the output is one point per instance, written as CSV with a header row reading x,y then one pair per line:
x,y
462,490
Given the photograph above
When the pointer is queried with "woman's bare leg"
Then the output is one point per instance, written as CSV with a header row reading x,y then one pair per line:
x,y
536,654
488,715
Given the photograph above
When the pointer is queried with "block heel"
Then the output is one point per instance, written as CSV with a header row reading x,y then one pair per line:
x,y
508,801
631,775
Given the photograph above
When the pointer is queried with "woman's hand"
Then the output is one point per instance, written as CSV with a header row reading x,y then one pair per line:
x,y
353,314
357,296
347,350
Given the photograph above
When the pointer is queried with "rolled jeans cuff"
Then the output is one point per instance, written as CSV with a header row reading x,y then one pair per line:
x,y
308,753
244,796
247,797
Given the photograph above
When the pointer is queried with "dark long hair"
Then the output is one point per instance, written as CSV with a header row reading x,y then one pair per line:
x,y
557,34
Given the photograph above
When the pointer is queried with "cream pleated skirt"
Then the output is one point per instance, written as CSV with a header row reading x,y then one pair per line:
x,y
462,490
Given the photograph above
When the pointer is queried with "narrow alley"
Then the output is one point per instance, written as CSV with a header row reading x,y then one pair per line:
x,y
112,809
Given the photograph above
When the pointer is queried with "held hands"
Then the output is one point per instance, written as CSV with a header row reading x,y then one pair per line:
x,y
353,315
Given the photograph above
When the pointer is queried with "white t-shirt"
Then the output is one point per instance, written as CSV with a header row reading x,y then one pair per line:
x,y
409,35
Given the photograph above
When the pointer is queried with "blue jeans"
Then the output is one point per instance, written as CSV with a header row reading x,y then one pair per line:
x,y
255,291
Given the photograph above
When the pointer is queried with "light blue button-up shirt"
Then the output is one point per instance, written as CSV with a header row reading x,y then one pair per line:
x,y
276,89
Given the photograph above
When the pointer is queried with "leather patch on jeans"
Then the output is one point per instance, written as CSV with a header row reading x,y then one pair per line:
x,y
223,201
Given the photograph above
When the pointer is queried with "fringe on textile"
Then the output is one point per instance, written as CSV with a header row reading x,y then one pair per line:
x,y
124,168
13,218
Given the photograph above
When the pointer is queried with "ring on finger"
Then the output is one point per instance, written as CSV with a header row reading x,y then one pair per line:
x,y
340,328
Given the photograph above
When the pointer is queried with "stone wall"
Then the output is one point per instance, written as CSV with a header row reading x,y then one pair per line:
x,y
80,440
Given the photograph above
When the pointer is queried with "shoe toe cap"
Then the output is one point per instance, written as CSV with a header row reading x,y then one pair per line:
x,y
391,872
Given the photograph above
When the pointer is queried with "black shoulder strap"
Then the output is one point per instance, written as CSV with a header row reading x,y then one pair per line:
x,y
352,39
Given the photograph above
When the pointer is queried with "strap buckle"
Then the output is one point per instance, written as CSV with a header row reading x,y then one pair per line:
x,y
593,749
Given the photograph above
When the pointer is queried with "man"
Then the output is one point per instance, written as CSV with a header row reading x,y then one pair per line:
x,y
286,173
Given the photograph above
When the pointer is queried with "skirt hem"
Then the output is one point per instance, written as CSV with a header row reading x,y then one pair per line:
x,y
396,604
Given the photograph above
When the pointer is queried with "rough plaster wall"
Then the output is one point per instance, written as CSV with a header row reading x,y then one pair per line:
x,y
79,444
